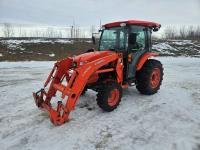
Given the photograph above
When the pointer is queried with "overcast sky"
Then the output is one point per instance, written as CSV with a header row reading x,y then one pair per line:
x,y
88,12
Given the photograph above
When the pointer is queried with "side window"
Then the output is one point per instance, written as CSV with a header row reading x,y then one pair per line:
x,y
137,40
122,45
141,39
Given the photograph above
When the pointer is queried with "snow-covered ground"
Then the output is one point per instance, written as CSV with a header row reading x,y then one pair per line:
x,y
177,48
168,120
16,44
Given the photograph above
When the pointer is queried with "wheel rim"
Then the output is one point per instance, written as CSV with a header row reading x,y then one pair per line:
x,y
113,97
155,78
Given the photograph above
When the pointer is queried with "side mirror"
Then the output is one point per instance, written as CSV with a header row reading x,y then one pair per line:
x,y
93,40
155,29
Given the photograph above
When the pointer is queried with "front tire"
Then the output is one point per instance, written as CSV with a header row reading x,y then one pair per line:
x,y
109,96
149,78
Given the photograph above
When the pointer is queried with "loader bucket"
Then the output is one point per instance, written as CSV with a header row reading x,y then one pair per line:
x,y
42,98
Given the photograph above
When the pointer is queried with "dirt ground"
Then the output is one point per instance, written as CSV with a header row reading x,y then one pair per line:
x,y
42,51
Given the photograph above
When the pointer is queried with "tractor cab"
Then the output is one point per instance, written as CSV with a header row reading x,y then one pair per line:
x,y
132,38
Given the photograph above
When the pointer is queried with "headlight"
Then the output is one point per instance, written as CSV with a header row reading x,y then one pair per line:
x,y
71,72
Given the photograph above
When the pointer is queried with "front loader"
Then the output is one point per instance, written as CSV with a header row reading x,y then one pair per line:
x,y
122,60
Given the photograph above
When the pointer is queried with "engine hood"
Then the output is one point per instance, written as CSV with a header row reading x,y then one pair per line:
x,y
91,56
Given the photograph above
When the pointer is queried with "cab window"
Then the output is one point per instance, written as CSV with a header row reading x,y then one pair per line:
x,y
137,38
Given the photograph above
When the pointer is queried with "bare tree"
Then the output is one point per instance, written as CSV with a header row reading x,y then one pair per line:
x,y
92,29
36,33
182,32
50,32
60,34
20,31
170,32
191,32
8,30
72,31
77,32
197,33
24,33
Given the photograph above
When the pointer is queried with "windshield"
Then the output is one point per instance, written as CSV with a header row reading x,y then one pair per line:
x,y
113,39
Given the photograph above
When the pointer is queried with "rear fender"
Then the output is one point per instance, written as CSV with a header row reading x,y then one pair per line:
x,y
144,58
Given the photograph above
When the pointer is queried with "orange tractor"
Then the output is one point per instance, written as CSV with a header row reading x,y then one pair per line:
x,y
122,60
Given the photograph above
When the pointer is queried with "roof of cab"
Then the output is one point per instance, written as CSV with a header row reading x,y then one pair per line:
x,y
133,22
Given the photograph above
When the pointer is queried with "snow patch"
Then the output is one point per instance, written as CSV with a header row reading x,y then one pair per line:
x,y
52,55
182,42
64,41
89,41
163,46
16,44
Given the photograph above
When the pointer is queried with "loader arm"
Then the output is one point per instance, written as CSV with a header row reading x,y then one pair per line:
x,y
74,86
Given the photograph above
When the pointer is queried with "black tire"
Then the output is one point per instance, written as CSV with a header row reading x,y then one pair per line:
x,y
144,77
104,93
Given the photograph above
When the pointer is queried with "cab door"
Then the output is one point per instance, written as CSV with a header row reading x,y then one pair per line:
x,y
137,46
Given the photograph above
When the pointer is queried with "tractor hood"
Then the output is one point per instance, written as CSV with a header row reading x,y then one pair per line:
x,y
91,56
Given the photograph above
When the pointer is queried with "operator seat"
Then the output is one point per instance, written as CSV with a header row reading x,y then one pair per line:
x,y
132,40
136,52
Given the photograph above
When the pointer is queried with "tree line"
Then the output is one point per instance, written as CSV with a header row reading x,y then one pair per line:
x,y
8,30
190,32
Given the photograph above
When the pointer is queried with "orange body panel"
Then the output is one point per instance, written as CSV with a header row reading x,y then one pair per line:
x,y
92,56
143,59
94,78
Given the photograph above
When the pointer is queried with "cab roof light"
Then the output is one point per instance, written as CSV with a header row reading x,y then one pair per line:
x,y
122,24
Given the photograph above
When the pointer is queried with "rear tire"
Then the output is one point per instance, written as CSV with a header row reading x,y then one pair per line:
x,y
109,96
149,78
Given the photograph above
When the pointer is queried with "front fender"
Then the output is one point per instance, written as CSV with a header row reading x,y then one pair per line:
x,y
144,58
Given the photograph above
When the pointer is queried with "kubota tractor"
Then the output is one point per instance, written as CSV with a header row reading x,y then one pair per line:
x,y
122,60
